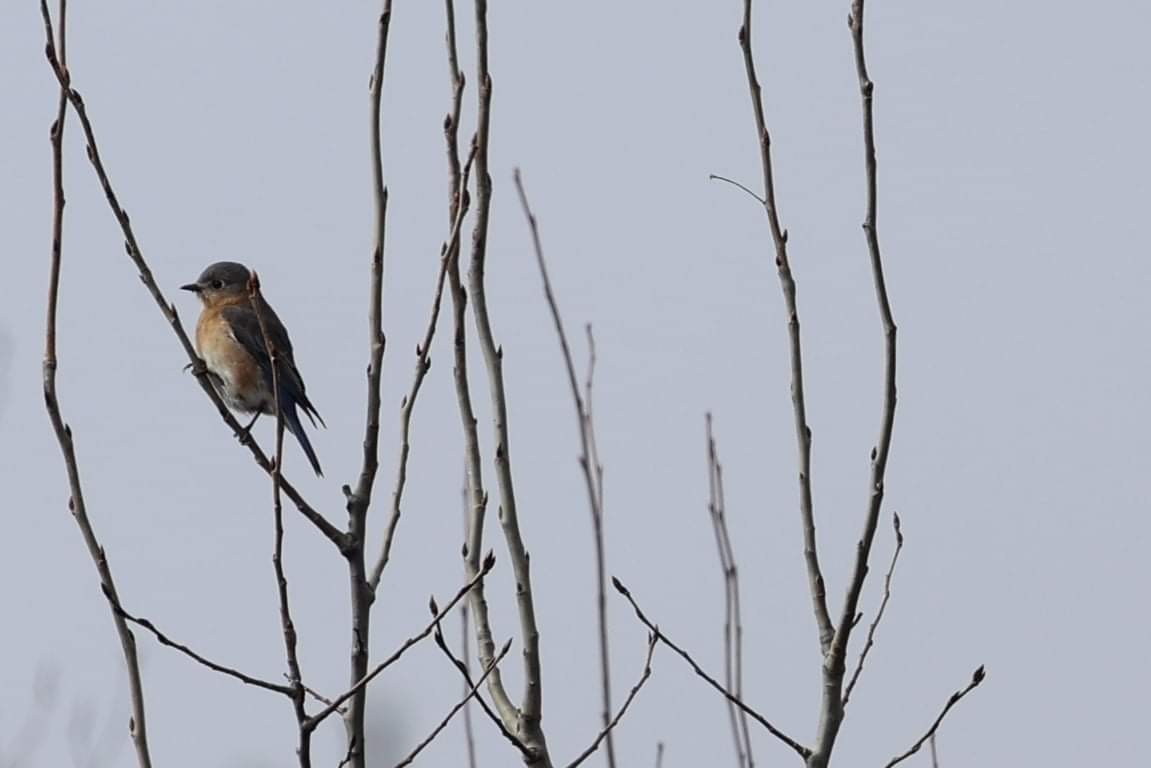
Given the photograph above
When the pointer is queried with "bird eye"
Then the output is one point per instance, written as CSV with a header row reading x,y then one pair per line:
x,y
217,284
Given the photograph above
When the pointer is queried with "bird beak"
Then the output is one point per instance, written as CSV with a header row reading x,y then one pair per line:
x,y
193,287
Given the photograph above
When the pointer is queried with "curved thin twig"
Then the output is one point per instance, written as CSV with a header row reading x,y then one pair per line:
x,y
163,639
878,614
978,677
798,748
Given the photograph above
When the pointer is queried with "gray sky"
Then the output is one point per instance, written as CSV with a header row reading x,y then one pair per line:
x,y
1013,162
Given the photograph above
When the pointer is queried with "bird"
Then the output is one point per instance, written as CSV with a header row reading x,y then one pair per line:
x,y
231,343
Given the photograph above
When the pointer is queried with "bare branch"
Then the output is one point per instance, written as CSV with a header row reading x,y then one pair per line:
x,y
287,625
798,748
787,282
613,722
732,625
879,614
934,755
137,727
592,471
359,500
659,754
361,684
447,719
423,364
163,639
462,666
978,677
331,532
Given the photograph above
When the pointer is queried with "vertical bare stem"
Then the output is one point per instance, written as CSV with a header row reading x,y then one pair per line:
x,y
287,625
360,499
787,281
831,714
477,496
137,725
529,728
732,625
592,470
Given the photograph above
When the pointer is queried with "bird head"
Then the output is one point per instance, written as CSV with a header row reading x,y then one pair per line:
x,y
222,281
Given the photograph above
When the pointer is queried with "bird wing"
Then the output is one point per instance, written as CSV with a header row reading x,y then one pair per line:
x,y
245,327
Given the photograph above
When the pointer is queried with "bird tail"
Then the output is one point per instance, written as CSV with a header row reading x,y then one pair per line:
x,y
292,422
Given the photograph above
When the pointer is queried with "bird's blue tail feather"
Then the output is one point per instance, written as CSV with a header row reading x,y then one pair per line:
x,y
292,423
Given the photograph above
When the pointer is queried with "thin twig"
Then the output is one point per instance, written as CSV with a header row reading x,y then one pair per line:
x,y
978,677
592,470
878,614
732,624
787,283
659,754
423,364
163,639
331,532
452,713
652,638
361,684
934,754
798,748
287,624
319,696
734,183
137,727
359,501
462,666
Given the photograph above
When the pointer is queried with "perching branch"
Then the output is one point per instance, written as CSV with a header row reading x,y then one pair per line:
x,y
331,532
137,725
878,614
798,748
732,624
287,624
978,677
592,470
474,691
652,638
360,499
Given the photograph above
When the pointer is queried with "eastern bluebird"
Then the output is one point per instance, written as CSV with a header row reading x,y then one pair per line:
x,y
229,339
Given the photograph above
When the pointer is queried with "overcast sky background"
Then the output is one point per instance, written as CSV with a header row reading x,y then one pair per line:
x,y
1014,190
